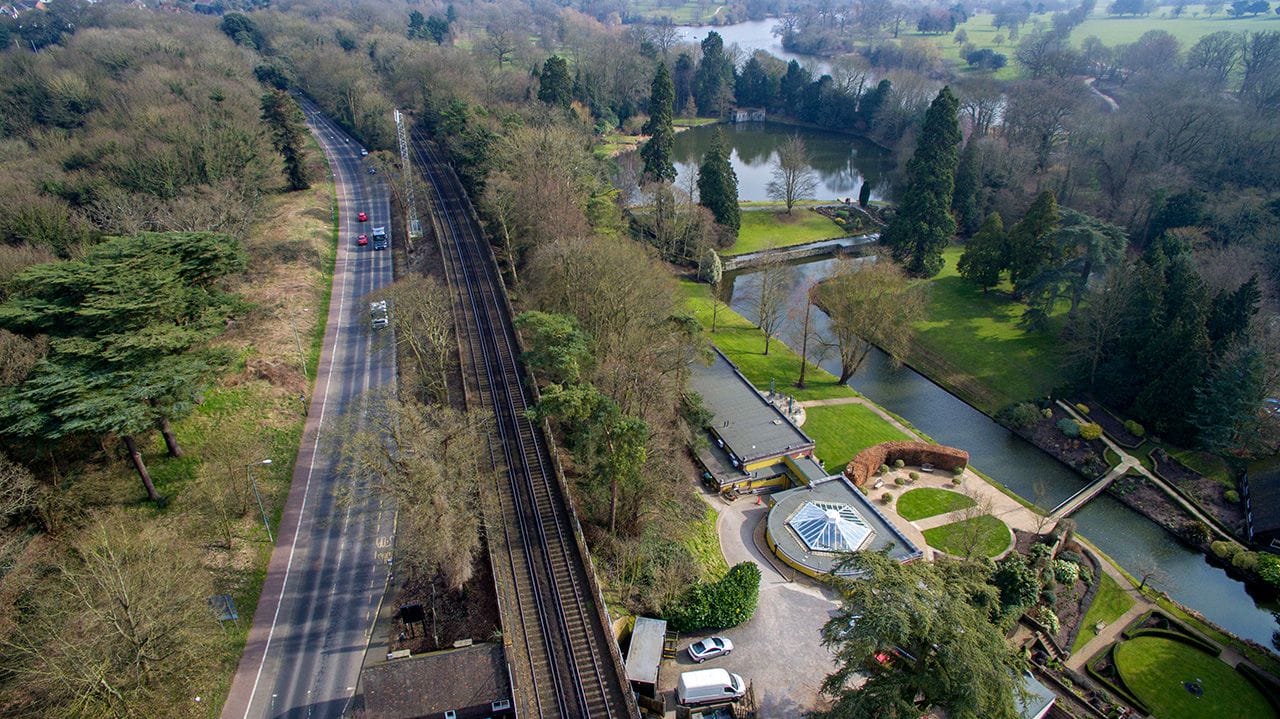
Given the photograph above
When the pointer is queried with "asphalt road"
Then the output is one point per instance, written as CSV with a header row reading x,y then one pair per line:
x,y
328,571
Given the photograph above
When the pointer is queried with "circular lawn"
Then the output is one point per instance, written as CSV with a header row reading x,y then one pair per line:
x,y
929,502
981,536
1157,670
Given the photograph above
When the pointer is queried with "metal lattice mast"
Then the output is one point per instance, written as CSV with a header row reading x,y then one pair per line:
x,y
411,204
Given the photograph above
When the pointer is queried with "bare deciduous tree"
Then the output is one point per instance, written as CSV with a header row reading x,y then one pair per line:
x,y
793,178
768,294
423,320
875,305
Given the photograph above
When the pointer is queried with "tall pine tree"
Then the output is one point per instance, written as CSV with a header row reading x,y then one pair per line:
x,y
718,185
964,202
984,256
656,153
554,86
923,225
713,83
1031,242
284,119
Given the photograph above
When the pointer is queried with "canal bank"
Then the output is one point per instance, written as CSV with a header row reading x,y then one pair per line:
x,y
1132,541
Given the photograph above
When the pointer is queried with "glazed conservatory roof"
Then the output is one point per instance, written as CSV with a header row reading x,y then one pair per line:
x,y
830,527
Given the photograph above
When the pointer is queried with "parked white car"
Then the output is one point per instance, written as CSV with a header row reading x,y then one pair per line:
x,y
709,648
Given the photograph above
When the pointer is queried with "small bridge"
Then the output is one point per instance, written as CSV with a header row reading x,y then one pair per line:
x,y
799,252
1073,503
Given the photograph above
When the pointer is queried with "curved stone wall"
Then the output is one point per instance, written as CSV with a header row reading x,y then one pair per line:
x,y
914,454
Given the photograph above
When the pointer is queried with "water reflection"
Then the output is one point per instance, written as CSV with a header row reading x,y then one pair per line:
x,y
842,161
1129,538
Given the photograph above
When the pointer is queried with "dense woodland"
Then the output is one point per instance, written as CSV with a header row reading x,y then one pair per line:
x,y
1154,224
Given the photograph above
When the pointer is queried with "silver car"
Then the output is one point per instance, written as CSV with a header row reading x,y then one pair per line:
x,y
709,648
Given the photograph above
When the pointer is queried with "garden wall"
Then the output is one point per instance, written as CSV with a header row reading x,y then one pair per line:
x,y
914,454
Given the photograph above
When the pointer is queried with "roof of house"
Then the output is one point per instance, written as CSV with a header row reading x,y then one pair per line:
x,y
645,653
1264,497
1039,698
835,491
751,427
434,683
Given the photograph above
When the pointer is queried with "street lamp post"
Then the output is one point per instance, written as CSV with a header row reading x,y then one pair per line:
x,y
248,470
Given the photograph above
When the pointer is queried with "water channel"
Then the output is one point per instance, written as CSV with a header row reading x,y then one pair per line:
x,y
1130,539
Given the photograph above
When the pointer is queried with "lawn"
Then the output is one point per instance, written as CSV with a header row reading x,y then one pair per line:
x,y
841,431
929,502
972,343
1155,668
763,229
704,544
987,536
1108,605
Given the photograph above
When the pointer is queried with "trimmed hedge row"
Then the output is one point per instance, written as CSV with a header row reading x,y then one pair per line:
x,y
1263,683
1175,636
1116,686
718,605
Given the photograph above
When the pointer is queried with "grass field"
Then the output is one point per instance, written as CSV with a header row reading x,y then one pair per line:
x,y
763,229
1108,604
704,544
1155,668
841,431
929,502
987,536
973,344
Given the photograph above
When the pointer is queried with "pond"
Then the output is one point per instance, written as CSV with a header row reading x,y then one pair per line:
x,y
1129,538
841,162
755,35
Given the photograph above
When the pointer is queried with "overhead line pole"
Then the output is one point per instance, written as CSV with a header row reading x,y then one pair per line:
x,y
411,204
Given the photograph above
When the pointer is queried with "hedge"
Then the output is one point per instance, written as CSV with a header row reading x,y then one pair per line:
x,y
718,605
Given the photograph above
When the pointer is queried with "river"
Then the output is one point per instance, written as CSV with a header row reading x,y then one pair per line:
x,y
1129,538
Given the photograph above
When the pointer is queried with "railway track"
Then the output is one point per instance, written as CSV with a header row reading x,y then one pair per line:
x,y
561,658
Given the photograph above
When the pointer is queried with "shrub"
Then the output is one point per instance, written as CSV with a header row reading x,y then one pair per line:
x,y
1039,552
1269,568
1090,431
718,605
1047,413
1231,496
1022,414
899,464
914,476
884,469
958,471
1046,617
899,481
1069,427
886,498
1066,572
957,480
1224,549
1134,428
1082,409
1247,561
1086,575
1070,556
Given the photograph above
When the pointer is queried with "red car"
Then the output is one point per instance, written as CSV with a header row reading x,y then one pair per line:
x,y
362,240
362,217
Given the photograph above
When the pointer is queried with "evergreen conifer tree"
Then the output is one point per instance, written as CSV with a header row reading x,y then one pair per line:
x,y
924,225
964,202
284,118
984,256
718,185
656,153
1031,243
555,87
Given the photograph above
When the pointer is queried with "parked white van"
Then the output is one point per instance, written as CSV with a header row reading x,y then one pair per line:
x,y
709,685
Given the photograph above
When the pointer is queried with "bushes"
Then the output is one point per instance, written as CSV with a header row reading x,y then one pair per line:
x,y
1231,496
1066,572
958,471
1069,427
900,481
1047,619
1082,409
913,476
1135,429
1091,431
1022,414
1245,561
957,480
1269,568
886,498
718,605
1224,550
884,469
899,464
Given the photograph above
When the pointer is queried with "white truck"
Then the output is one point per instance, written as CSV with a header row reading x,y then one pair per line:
x,y
378,314
379,238
706,686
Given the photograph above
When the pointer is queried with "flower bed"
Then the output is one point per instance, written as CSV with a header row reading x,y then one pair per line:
x,y
1084,456
1207,493
1113,426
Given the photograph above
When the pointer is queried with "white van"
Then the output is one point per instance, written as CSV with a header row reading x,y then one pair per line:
x,y
378,313
709,685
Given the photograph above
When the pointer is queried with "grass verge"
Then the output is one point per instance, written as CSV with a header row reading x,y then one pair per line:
x,y
765,229
985,535
841,431
1108,605
704,544
1155,669
929,502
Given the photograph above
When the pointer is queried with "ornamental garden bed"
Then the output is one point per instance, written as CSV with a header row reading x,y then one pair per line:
x,y
1113,426
1137,492
1209,494
1084,456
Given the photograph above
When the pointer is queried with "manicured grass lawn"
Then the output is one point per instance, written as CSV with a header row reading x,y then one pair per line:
x,y
704,544
929,502
841,431
1115,30
764,229
1108,604
981,34
1154,668
973,343
743,343
987,536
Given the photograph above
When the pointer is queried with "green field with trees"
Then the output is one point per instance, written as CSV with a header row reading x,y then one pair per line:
x,y
765,229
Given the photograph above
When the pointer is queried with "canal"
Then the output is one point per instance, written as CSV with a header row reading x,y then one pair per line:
x,y
1129,538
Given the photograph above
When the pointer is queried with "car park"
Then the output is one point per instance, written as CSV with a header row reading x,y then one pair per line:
x,y
709,648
